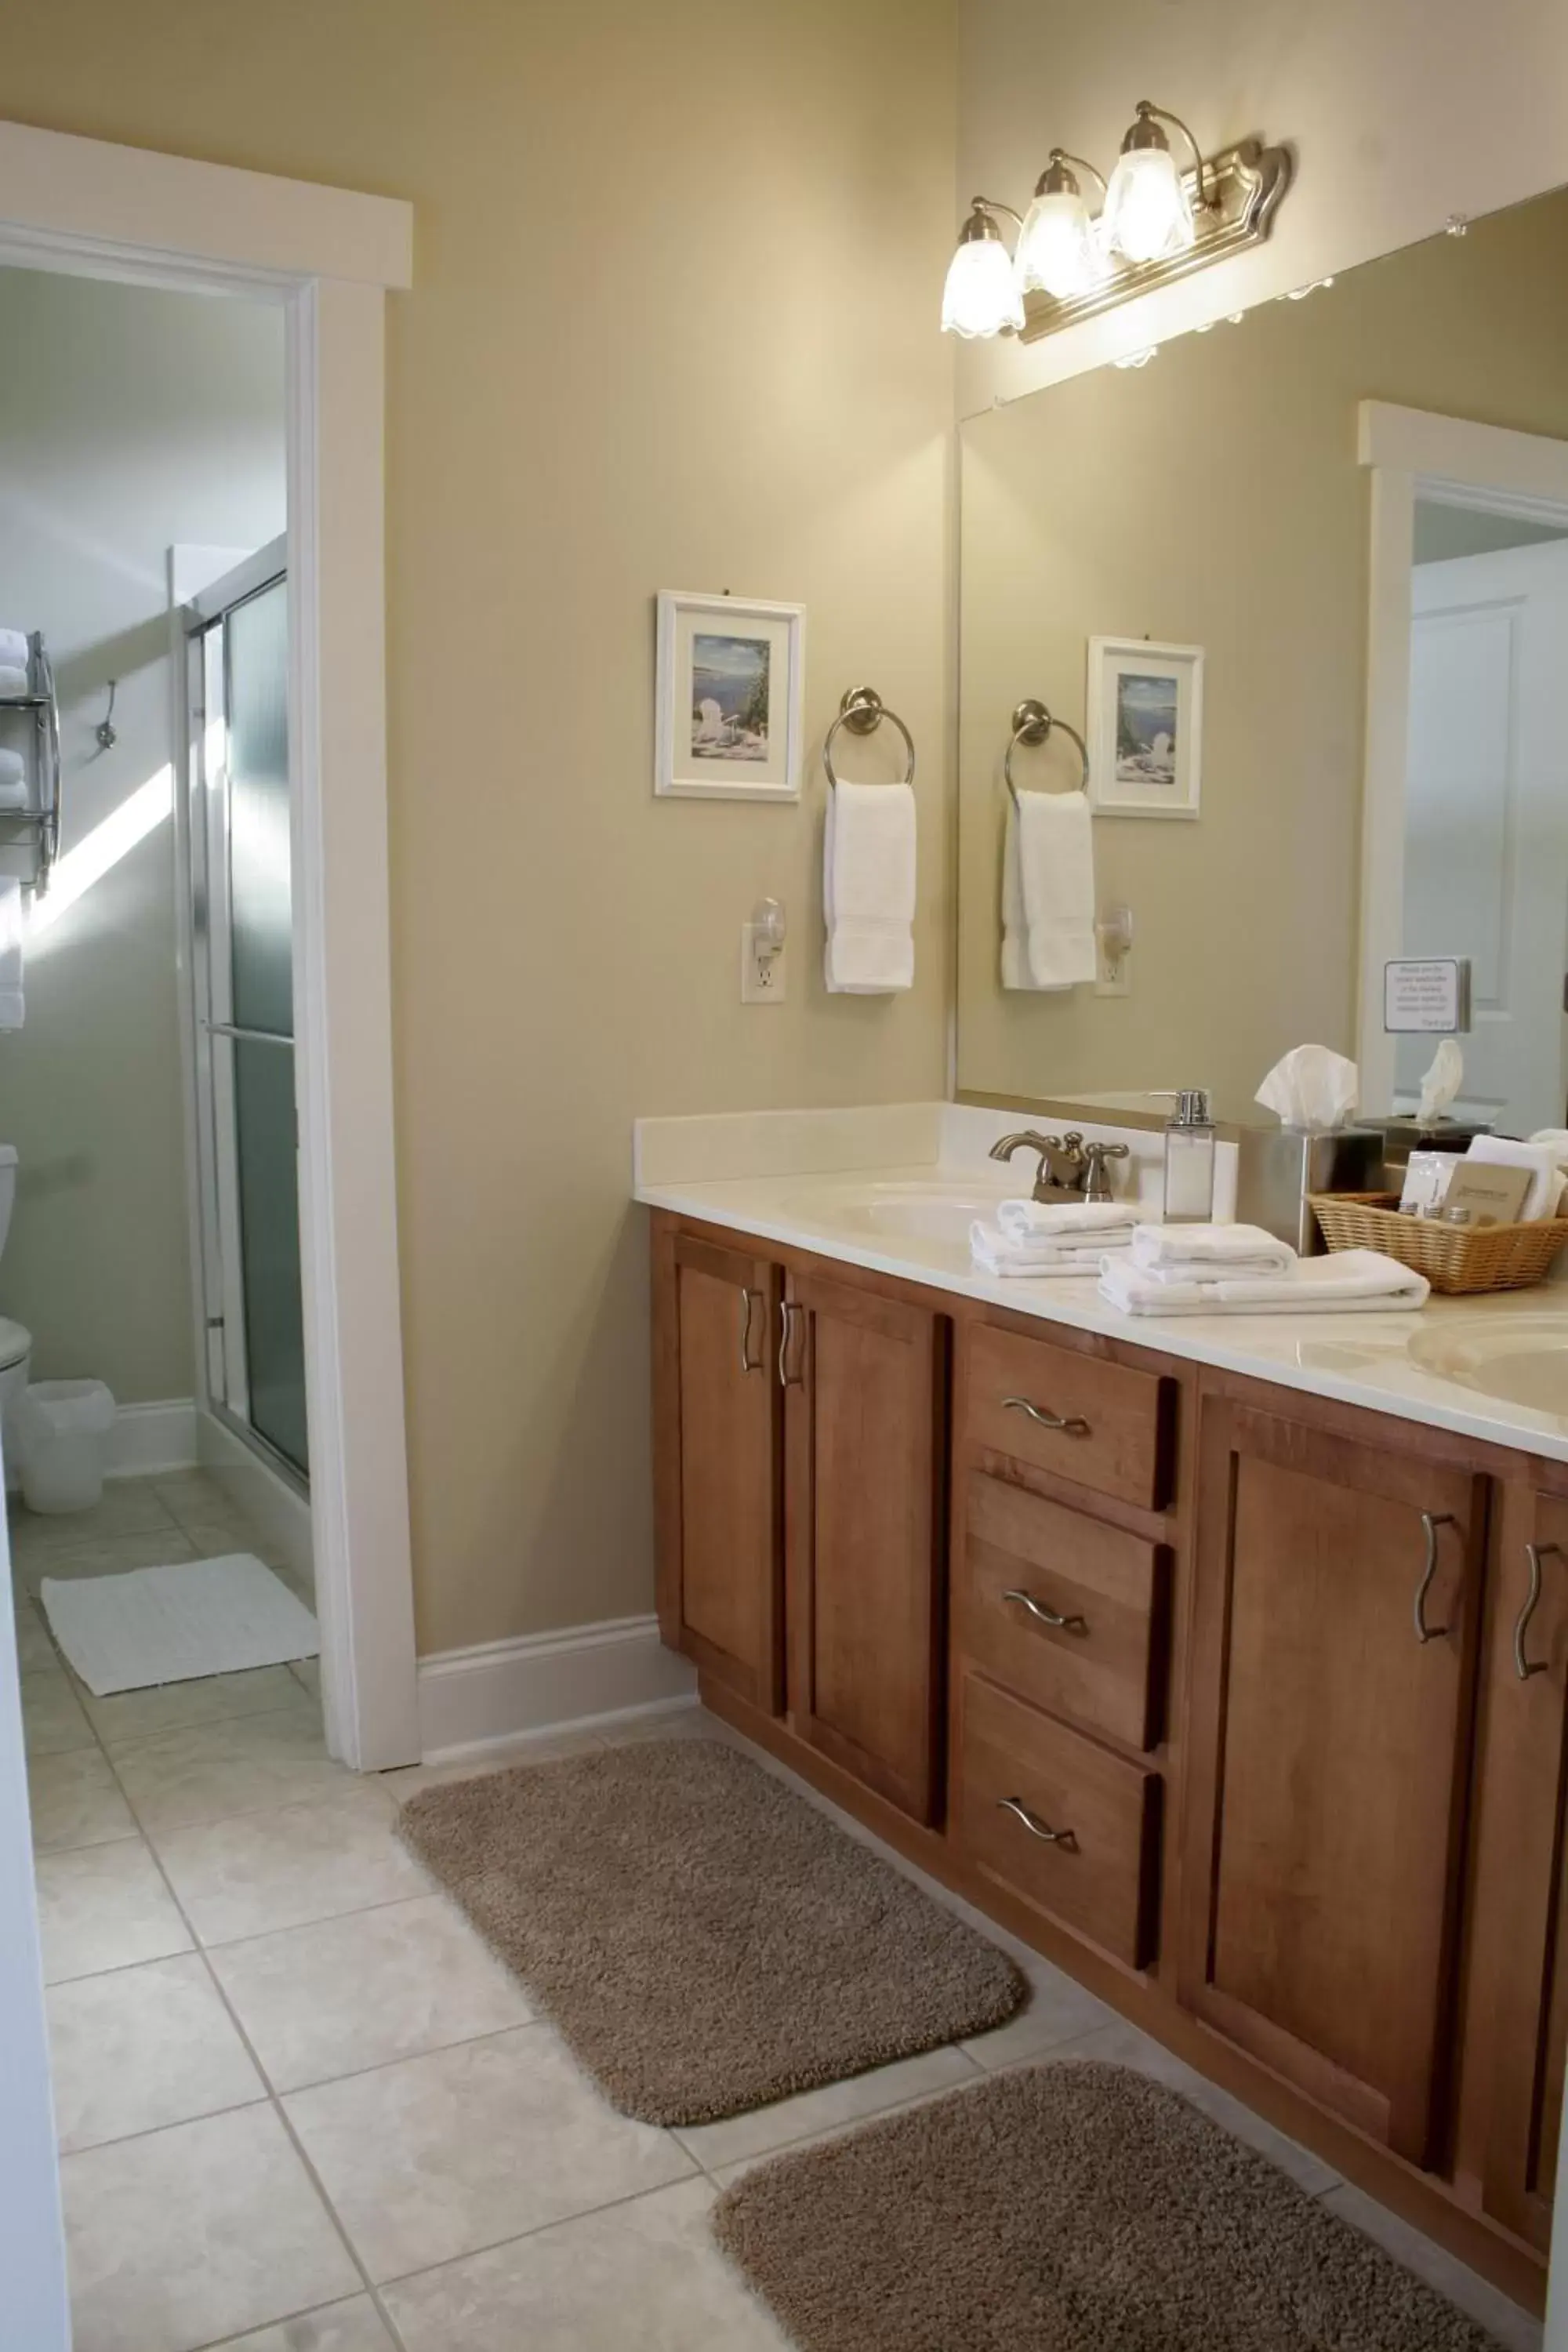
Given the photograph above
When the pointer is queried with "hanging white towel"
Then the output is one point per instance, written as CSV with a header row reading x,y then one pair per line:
x,y
13,649
11,1003
13,681
868,890
1047,892
13,781
1347,1281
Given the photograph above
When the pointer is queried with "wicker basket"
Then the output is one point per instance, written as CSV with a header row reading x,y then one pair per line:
x,y
1454,1258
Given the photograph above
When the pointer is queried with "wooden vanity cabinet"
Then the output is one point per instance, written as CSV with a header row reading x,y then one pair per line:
x,y
1336,1613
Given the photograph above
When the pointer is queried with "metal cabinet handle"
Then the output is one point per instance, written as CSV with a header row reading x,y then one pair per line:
x,y
1430,1521
748,1298
1072,1425
1037,1610
1035,1827
788,1379
1534,1554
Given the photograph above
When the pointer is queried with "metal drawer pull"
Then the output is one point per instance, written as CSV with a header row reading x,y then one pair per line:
x,y
1431,1521
1534,1554
748,1298
1035,1827
1037,1609
1072,1425
788,1379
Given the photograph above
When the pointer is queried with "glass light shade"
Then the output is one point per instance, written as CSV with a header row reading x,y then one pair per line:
x,y
1057,247
981,297
1147,214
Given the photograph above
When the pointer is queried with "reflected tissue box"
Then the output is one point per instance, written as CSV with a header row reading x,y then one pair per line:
x,y
1278,1166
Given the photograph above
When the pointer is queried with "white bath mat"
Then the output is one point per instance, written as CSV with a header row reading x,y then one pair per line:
x,y
173,1624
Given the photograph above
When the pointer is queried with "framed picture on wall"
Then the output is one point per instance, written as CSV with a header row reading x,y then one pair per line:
x,y
1146,711
729,694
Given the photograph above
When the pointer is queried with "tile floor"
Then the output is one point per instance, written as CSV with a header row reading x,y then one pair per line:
x,y
300,2109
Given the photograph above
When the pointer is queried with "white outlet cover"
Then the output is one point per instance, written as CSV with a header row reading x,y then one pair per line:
x,y
761,976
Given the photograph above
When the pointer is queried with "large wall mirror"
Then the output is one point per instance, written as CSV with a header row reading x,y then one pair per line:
x,y
1354,506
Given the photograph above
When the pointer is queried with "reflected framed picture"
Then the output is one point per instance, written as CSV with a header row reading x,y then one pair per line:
x,y
729,694
1146,711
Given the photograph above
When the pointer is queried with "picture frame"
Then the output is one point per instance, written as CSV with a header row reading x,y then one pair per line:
x,y
729,696
1145,705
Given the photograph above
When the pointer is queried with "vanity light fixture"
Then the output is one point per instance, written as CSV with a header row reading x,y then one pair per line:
x,y
1058,250
1148,213
982,297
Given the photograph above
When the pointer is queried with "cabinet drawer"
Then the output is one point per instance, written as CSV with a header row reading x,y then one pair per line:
x,y
1102,1423
1100,1872
1027,1562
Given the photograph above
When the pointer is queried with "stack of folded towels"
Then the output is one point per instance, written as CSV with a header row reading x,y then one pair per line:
x,y
1242,1270
1047,1237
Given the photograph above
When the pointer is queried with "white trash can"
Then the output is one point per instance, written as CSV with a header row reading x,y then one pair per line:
x,y
62,1428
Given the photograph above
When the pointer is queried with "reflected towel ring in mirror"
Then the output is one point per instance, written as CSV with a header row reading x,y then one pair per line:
x,y
862,710
1033,723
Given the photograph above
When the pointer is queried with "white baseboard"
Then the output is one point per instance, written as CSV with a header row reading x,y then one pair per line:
x,y
470,1700
148,1437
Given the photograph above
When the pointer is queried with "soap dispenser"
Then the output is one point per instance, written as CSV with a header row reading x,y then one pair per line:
x,y
1189,1159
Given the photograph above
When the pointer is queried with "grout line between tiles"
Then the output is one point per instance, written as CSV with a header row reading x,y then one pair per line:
x,y
560,2221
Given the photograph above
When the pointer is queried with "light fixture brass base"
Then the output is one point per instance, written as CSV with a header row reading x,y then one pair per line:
x,y
1244,186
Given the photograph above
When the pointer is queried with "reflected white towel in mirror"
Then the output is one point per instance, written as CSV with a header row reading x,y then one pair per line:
x,y
1047,892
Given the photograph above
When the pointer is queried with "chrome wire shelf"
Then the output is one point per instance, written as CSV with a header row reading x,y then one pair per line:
x,y
40,820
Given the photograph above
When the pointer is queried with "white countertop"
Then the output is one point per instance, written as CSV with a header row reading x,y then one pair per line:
x,y
815,1192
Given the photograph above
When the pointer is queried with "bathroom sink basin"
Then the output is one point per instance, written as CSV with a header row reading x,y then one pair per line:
x,y
933,1213
1518,1358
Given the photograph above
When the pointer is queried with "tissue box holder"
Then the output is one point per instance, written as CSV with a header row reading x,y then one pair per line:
x,y
1457,1259
1281,1168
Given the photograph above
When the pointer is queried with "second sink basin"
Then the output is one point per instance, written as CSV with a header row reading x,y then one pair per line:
x,y
1519,1359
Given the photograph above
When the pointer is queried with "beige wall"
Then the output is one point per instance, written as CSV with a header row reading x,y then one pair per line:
x,y
673,327
1214,497
131,420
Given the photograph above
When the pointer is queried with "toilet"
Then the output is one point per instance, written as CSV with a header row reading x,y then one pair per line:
x,y
15,1340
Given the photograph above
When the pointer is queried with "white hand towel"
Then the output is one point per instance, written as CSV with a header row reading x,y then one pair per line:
x,y
1541,1159
1346,1282
12,1006
1062,1218
995,1255
13,781
13,681
1047,892
868,888
13,649
1211,1247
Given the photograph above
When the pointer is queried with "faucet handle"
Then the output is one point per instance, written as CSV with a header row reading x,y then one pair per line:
x,y
1097,1182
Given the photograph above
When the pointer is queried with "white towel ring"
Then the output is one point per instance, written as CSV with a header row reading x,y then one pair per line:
x,y
1033,723
862,710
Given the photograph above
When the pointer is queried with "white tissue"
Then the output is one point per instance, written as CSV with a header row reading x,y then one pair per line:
x,y
1442,1081
1311,1088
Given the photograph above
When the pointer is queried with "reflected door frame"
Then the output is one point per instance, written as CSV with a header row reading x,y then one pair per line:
x,y
327,257
1412,454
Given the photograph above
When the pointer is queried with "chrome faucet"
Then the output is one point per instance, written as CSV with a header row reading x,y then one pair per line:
x,y
1069,1168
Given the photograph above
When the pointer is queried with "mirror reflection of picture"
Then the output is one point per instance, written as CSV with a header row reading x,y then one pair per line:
x,y
729,694
1145,721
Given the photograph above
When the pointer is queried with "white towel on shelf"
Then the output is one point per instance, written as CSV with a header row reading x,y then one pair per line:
x,y
1184,1249
1047,892
12,1005
13,781
14,651
13,681
995,1254
868,888
1060,1220
1346,1282
1541,1159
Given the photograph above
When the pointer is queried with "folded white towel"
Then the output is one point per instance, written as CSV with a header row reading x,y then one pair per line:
x,y
13,781
13,649
1047,892
1232,1269
12,1007
1541,1159
995,1254
1346,1282
868,888
13,681
1063,1218
1204,1246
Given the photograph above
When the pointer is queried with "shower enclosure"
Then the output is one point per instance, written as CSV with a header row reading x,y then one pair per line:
x,y
236,668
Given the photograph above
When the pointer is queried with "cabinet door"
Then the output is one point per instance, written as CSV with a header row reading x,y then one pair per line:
x,y
1518,2036
717,1445
864,1415
1333,1643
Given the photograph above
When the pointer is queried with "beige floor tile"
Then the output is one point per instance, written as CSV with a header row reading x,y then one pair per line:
x,y
109,1556
739,2137
184,2237
443,2155
207,1698
353,2326
534,1747
143,2048
76,1800
1512,2327
215,1536
245,1764
130,1507
262,1872
692,1722
105,1906
350,1993
34,1648
307,1672
52,1720
193,1494
1059,2009
575,2288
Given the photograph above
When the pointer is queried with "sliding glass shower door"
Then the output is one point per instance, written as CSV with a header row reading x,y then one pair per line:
x,y
237,667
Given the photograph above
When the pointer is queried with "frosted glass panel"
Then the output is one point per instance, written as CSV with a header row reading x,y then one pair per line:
x,y
269,1245
259,908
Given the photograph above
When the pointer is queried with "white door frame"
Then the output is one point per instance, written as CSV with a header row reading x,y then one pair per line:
x,y
327,256
1413,454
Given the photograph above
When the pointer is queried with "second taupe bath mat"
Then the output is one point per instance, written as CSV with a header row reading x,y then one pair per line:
x,y
704,1939
1067,2208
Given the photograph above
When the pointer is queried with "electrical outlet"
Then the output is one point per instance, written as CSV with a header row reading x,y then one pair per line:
x,y
761,976
1112,973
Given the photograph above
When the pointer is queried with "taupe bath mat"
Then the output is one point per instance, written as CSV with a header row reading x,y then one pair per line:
x,y
705,1940
1067,2208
